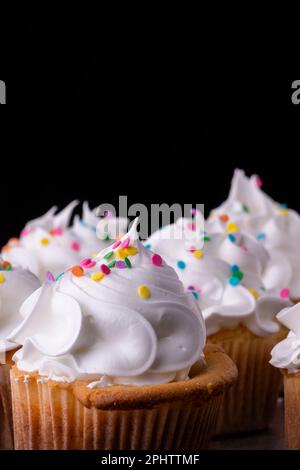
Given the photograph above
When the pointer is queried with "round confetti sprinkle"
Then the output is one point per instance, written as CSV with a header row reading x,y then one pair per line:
x,y
234,281
148,247
6,266
198,254
231,238
97,277
224,218
128,263
59,231
231,227
261,236
77,271
144,291
196,295
254,293
235,268
52,232
45,241
75,246
181,264
284,293
120,265
125,243
105,269
109,255
116,245
112,264
2,278
50,277
156,260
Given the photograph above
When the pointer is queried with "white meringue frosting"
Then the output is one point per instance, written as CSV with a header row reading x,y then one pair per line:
x,y
286,354
16,284
122,318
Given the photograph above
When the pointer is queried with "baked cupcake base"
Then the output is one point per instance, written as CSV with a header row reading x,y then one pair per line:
x,y
251,403
6,426
292,410
178,415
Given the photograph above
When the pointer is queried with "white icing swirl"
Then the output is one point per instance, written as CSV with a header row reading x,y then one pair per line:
x,y
286,354
15,286
105,331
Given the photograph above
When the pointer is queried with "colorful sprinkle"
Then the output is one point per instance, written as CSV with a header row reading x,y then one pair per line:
x,y
193,211
191,226
254,293
144,291
128,263
205,239
59,231
259,182
25,232
198,254
121,254
112,264
235,268
196,295
284,293
109,255
131,251
224,218
50,277
283,205
88,263
234,281
75,246
191,288
245,208
97,277
261,236
156,260
125,243
239,275
59,276
6,266
116,245
231,227
120,265
2,278
148,247
181,264
77,271
105,269
45,241
231,238
106,237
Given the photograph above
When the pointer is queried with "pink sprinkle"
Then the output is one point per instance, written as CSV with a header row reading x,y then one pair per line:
x,y
193,211
120,265
244,248
191,249
156,260
25,232
284,293
59,231
105,269
191,226
259,182
125,243
116,245
75,246
191,288
88,263
50,277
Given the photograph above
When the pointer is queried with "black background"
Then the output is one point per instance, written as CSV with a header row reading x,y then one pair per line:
x,y
83,122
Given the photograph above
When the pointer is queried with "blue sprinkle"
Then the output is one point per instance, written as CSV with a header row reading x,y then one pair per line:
x,y
235,268
231,238
60,275
283,205
261,236
196,295
234,281
181,264
148,247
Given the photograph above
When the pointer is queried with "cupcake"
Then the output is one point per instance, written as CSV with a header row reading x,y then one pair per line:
x,y
94,233
15,286
113,358
240,315
286,356
276,227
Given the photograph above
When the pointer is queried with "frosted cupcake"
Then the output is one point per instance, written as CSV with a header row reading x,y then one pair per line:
x,y
286,356
15,286
277,228
240,314
113,358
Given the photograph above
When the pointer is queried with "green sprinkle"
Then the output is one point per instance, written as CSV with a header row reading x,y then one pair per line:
x,y
106,237
109,255
112,264
60,275
8,268
205,239
128,263
239,275
245,208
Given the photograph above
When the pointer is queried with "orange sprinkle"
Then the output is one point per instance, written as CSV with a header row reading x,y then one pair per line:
x,y
77,271
5,249
224,218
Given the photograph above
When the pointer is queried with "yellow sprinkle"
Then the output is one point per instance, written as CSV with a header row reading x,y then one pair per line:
x,y
45,241
231,227
94,255
144,291
2,278
254,293
284,212
198,254
97,276
130,251
121,253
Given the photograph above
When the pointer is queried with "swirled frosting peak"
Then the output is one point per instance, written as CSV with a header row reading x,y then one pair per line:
x,y
120,318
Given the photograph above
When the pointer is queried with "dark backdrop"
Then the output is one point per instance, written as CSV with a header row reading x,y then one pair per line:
x,y
84,127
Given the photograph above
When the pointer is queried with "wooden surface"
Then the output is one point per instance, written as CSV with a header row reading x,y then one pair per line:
x,y
272,439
